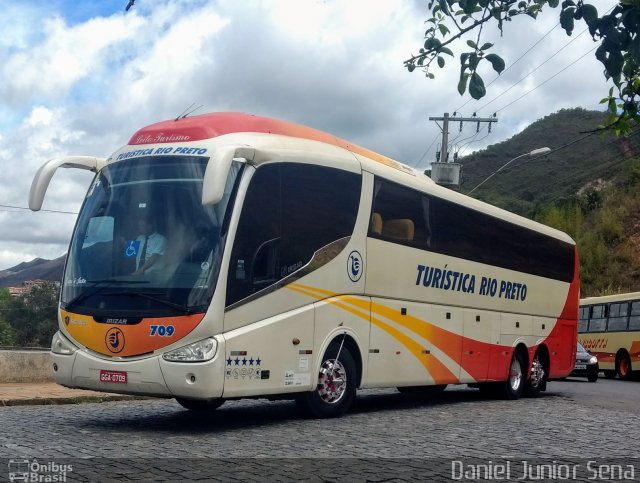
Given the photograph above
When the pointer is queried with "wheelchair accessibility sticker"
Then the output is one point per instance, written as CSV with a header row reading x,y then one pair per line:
x,y
132,248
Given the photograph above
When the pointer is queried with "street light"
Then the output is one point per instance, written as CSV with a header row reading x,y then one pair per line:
x,y
531,153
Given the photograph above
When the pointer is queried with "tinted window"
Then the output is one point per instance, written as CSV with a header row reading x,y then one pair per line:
x,y
618,313
597,325
290,211
599,312
634,319
406,216
144,244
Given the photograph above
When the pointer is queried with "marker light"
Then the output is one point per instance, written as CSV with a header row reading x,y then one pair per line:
x,y
200,351
61,345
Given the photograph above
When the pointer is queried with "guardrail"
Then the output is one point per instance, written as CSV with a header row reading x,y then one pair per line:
x,y
25,364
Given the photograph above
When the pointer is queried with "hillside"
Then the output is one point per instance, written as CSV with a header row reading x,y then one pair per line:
x,y
37,269
579,158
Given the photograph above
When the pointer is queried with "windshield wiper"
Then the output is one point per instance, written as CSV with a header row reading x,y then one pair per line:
x,y
99,285
182,308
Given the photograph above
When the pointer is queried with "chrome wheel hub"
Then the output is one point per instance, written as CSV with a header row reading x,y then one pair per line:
x,y
515,374
537,372
332,381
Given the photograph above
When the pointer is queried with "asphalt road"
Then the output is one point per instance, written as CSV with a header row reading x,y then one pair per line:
x,y
386,437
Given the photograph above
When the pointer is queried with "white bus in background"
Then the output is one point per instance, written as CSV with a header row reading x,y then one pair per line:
x,y
290,263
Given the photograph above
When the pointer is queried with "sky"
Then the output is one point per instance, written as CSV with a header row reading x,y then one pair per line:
x,y
79,78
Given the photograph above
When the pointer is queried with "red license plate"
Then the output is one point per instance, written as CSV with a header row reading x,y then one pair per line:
x,y
118,377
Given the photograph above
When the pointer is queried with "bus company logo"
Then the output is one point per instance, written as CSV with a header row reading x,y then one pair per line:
x,y
354,266
161,138
25,470
114,340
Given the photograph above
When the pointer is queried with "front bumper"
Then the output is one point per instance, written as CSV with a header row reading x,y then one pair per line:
x,y
151,376
590,370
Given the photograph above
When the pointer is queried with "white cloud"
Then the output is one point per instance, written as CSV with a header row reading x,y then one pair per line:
x,y
70,86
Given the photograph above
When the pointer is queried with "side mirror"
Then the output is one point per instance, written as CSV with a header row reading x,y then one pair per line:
x,y
43,176
215,176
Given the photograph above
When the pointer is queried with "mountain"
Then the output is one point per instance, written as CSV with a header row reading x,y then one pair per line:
x,y
37,269
580,159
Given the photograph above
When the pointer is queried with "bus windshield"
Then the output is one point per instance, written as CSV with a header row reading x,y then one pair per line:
x,y
144,245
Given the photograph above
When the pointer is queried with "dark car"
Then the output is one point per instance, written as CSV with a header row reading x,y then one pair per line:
x,y
586,364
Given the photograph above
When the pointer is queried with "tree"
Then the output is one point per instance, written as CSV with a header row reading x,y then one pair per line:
x,y
618,32
33,316
7,335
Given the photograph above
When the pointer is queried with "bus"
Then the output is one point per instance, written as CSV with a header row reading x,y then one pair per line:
x,y
226,255
609,327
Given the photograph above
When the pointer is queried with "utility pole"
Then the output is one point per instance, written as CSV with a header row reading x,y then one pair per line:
x,y
442,171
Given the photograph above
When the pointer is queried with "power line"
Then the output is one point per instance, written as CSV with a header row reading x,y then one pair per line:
x,y
13,207
550,78
532,71
517,60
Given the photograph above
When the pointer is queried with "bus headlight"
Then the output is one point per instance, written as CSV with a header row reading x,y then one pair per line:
x,y
200,351
61,345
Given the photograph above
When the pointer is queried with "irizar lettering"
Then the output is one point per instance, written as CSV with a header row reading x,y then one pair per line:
x,y
446,279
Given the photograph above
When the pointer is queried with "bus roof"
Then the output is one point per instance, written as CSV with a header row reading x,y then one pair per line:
x,y
605,299
208,126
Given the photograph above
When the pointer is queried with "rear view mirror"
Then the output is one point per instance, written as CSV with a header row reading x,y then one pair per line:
x,y
43,176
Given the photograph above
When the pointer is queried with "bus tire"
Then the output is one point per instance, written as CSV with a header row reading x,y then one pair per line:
x,y
200,404
623,366
537,380
513,387
336,385
609,374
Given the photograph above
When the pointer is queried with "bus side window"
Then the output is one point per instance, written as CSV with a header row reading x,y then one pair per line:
x,y
290,211
634,318
618,316
598,322
400,215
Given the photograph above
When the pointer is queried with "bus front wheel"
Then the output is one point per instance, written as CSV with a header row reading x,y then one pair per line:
x,y
200,404
514,385
336,385
623,366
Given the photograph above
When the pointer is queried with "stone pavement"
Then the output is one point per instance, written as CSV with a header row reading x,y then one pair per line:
x,y
29,394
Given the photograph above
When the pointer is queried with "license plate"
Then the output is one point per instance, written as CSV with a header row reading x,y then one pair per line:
x,y
118,377
581,366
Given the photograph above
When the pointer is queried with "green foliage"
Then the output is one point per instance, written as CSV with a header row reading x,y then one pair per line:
x,y
608,239
7,335
618,32
33,317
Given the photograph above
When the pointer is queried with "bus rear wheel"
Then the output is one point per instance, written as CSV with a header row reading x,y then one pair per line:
x,y
200,404
536,382
336,386
513,387
623,366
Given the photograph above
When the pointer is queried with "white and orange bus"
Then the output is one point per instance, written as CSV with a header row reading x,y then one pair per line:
x,y
226,255
609,327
